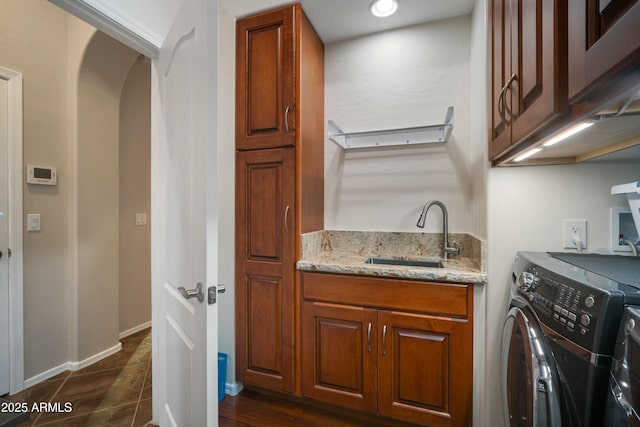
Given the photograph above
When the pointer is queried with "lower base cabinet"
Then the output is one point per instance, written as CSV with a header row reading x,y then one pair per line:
x,y
414,367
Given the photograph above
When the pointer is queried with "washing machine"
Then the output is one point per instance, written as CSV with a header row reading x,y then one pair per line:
x,y
559,336
623,401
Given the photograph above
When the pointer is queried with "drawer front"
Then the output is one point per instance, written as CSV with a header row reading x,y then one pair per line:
x,y
446,299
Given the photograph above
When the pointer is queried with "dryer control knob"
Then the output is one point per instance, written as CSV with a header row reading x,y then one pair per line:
x,y
589,301
585,319
528,281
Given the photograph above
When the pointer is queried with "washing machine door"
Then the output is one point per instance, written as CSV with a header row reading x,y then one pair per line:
x,y
529,378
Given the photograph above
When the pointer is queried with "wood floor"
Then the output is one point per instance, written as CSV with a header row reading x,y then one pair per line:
x,y
253,409
116,391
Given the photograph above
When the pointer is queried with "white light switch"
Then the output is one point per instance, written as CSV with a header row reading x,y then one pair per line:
x,y
33,222
141,219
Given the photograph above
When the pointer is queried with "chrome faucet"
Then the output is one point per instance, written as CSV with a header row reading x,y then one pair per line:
x,y
445,227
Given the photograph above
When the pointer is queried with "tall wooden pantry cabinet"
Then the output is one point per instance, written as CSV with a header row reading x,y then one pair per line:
x,y
279,184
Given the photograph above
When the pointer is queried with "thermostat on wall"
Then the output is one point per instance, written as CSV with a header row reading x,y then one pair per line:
x,y
43,175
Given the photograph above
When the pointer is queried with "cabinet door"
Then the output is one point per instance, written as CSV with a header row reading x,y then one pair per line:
x,y
604,37
529,69
339,355
538,65
265,257
500,138
265,80
425,369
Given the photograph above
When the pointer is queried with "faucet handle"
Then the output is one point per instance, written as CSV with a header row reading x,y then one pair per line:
x,y
454,249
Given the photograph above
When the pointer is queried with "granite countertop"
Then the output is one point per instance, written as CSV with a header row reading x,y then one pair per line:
x,y
345,252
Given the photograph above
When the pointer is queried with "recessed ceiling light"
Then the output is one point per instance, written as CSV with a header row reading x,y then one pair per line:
x,y
383,8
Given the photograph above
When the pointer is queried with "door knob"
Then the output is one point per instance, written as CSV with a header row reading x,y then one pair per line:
x,y
197,292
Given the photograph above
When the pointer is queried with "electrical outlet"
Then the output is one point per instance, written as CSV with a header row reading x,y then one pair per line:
x,y
573,230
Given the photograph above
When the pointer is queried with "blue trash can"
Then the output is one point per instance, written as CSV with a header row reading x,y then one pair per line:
x,y
222,375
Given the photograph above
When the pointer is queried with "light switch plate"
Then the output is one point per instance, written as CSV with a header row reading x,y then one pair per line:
x,y
33,222
141,219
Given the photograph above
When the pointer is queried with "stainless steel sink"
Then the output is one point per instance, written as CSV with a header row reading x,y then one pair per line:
x,y
431,263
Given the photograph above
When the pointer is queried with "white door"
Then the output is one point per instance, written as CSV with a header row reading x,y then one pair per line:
x,y
184,223
4,237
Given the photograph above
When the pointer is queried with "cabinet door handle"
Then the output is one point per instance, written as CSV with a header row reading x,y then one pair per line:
x,y
507,87
384,340
286,219
502,101
369,337
286,119
501,107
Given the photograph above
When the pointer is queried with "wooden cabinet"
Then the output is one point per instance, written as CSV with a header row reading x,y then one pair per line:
x,y
529,69
265,252
604,43
425,369
339,355
555,64
398,348
265,80
279,185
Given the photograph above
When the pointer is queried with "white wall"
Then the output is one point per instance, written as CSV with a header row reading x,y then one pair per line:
x,y
479,105
479,165
33,38
104,67
526,206
134,248
71,265
226,188
400,78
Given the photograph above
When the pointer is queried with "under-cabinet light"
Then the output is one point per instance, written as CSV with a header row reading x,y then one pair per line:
x,y
527,154
567,133
383,8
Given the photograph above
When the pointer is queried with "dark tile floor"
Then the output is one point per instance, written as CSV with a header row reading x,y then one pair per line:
x,y
115,391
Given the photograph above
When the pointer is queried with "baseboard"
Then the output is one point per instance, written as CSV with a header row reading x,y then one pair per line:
x,y
71,366
76,366
233,389
135,329
43,376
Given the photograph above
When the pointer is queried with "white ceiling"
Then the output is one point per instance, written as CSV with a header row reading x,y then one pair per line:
x,y
342,19
333,19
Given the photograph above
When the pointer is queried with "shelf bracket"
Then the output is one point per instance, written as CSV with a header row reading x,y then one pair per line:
x,y
393,137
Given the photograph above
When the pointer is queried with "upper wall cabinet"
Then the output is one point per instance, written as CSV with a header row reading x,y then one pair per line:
x,y
559,66
529,69
604,42
265,85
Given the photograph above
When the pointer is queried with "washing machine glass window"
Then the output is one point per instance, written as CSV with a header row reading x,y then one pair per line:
x,y
529,376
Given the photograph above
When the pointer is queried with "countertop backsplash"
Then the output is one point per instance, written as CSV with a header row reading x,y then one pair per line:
x,y
397,244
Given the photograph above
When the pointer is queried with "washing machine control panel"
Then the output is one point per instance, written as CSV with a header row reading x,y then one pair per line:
x,y
570,308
